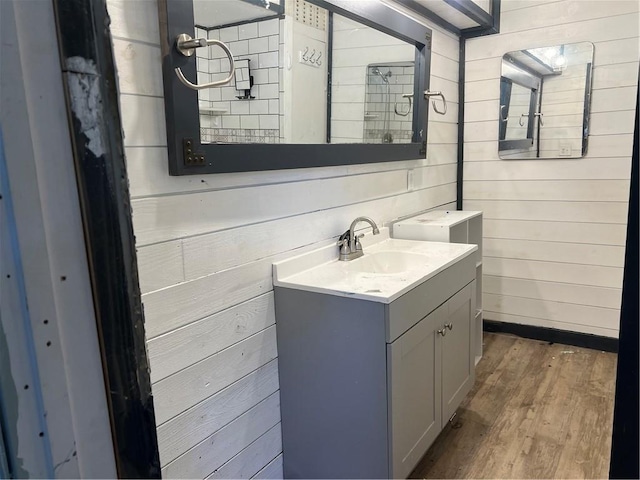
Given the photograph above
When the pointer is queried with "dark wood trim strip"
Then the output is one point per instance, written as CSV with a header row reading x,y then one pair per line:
x,y
553,335
86,58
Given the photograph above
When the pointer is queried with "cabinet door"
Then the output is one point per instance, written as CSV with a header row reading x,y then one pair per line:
x,y
458,350
414,380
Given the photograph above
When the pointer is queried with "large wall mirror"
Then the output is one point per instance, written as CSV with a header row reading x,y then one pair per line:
x,y
316,83
545,96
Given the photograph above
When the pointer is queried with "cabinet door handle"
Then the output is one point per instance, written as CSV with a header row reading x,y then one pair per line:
x,y
449,326
442,331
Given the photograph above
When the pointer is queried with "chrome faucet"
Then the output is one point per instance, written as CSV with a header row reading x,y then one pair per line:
x,y
349,242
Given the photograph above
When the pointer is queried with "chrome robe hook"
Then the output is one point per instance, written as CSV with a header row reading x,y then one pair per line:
x,y
524,115
187,46
502,117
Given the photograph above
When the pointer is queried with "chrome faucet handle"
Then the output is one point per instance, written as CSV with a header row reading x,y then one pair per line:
x,y
345,236
343,242
358,244
344,248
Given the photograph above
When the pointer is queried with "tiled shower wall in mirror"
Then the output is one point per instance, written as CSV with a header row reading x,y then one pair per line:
x,y
388,115
223,116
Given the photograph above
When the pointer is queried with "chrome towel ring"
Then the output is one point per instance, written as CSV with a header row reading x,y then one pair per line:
x,y
428,94
187,46
408,96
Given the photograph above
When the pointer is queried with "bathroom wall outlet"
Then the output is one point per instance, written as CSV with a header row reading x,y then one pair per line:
x,y
565,151
409,180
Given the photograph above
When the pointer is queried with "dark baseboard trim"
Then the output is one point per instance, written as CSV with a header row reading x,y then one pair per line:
x,y
553,335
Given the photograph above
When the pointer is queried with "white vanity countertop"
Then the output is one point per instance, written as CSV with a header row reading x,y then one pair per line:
x,y
440,218
320,270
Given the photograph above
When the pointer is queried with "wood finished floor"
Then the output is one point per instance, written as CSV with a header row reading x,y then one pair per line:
x,y
537,410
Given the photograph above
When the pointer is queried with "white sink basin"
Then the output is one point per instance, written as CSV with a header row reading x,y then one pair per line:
x,y
388,269
387,262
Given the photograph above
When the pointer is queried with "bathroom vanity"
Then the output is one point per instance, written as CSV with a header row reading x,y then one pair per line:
x,y
454,226
375,354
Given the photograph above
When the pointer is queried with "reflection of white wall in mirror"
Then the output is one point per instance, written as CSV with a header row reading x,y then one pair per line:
x,y
519,105
214,13
305,83
483,4
356,46
518,120
563,104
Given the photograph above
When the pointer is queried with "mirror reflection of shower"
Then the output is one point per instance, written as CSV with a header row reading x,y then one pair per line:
x,y
385,85
386,136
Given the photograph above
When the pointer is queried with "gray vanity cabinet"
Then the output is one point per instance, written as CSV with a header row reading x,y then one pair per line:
x,y
366,387
430,371
458,351
415,391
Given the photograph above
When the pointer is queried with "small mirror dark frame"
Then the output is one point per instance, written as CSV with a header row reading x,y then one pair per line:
x,y
183,119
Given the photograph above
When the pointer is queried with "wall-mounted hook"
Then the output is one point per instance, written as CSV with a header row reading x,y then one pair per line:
x,y
539,115
524,115
408,96
502,117
313,54
318,62
428,94
305,57
187,45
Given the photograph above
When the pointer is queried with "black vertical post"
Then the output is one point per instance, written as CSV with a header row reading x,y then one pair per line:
x,y
461,75
329,73
624,445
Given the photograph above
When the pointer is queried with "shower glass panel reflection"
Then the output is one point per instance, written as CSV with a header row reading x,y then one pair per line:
x,y
388,115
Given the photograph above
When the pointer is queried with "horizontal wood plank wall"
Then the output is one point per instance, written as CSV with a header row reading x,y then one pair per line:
x,y
555,229
205,249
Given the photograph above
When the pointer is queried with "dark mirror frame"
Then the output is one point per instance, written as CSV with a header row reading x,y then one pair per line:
x,y
183,118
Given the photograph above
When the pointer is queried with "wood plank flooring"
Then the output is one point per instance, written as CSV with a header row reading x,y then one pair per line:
x,y
537,410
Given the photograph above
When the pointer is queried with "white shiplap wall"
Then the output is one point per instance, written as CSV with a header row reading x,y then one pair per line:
x,y
555,229
205,249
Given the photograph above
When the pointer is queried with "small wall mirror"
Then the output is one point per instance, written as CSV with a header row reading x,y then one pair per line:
x,y
316,83
545,96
